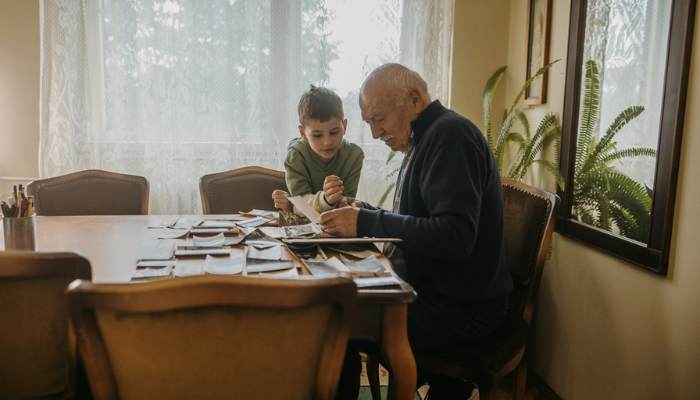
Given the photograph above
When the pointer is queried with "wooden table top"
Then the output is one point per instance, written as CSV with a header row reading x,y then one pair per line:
x,y
111,243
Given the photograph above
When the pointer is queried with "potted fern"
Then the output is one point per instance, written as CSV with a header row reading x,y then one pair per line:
x,y
603,196
529,145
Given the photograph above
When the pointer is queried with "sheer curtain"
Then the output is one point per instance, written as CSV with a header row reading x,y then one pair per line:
x,y
175,89
628,40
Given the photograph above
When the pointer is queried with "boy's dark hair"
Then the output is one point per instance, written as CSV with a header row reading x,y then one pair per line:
x,y
321,104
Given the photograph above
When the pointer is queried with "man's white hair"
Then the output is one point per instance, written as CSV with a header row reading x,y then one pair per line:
x,y
400,80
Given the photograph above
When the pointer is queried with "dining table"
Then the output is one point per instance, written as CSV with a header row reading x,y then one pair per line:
x,y
111,243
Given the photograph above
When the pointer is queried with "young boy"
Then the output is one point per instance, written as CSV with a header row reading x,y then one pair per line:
x,y
320,165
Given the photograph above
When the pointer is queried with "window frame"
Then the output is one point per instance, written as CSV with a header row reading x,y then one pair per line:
x,y
654,255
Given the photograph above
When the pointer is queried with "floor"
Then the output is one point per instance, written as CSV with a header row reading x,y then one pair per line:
x,y
535,389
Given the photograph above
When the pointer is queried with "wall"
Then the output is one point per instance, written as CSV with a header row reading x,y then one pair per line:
x,y
19,92
480,48
604,328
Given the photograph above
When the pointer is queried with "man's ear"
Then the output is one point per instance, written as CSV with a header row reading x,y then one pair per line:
x,y
302,133
416,100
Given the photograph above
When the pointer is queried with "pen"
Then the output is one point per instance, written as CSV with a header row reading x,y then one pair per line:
x,y
30,208
19,201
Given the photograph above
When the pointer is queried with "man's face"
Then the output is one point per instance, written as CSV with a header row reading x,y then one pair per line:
x,y
324,138
388,122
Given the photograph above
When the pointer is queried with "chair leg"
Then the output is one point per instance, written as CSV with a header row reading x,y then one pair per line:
x,y
488,390
372,364
519,381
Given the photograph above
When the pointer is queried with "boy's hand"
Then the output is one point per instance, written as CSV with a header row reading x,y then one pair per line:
x,y
332,189
345,201
282,200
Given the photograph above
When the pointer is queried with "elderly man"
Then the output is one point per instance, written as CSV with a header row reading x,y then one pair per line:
x,y
448,209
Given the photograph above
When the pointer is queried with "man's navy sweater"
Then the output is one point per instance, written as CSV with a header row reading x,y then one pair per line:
x,y
450,213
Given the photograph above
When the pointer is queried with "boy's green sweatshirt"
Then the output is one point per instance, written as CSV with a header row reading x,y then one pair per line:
x,y
305,172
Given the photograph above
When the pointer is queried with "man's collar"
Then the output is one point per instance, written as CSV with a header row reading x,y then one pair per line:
x,y
426,118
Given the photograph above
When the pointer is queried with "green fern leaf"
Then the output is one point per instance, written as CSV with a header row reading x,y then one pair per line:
x,y
589,113
632,152
386,194
489,92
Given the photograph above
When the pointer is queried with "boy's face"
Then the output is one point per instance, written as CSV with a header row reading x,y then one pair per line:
x,y
324,138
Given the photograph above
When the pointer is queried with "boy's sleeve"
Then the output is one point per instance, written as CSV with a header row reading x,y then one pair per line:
x,y
296,175
317,201
352,180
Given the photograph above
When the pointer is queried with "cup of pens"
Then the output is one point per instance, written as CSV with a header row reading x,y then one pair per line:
x,y
19,222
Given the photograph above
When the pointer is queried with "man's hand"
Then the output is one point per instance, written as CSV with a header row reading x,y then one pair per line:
x,y
340,222
332,189
282,200
345,201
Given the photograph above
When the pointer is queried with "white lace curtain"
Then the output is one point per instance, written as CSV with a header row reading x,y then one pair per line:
x,y
175,89
628,40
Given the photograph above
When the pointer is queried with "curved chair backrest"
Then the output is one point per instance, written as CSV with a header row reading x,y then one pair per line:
x,y
529,219
37,344
90,192
214,337
240,190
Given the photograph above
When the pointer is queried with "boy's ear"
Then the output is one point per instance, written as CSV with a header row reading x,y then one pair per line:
x,y
303,134
345,125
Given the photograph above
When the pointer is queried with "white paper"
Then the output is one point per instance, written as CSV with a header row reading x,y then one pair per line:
x,y
262,244
230,241
200,230
376,281
171,233
225,265
187,223
272,231
370,263
269,266
291,273
217,223
264,213
253,222
156,263
325,267
305,208
209,241
269,253
353,250
159,223
155,253
188,268
151,272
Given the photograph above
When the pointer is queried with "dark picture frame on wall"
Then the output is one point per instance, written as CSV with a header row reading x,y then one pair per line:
x,y
538,28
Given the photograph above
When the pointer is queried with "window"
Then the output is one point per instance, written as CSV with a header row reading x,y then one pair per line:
x,y
642,51
175,89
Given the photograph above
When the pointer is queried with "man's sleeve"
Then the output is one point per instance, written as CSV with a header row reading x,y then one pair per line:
x,y
451,188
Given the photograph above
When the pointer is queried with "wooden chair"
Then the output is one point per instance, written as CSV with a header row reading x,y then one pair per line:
x,y
90,192
37,342
241,189
214,337
529,218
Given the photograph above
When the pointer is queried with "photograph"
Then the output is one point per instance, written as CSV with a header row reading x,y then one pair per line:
x,y
538,25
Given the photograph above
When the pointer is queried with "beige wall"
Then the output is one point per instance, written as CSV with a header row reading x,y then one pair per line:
x,y
480,48
19,92
606,329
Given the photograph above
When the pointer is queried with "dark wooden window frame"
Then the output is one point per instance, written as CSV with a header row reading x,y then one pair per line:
x,y
655,254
